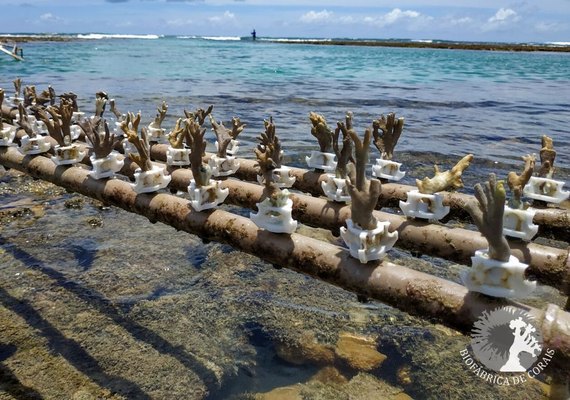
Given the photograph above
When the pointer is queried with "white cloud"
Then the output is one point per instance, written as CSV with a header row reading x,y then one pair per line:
x,y
461,21
413,18
227,16
504,15
318,17
49,17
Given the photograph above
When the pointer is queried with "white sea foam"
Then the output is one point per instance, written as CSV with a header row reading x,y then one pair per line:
x,y
296,40
422,40
96,36
221,37
559,43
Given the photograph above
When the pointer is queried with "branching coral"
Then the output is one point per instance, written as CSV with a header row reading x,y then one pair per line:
x,y
71,98
114,110
102,144
1,102
46,96
23,122
321,131
130,127
59,126
29,96
344,155
517,182
202,172
391,128
17,87
547,156
268,156
157,122
445,180
225,135
363,192
487,213
199,115
100,103
179,134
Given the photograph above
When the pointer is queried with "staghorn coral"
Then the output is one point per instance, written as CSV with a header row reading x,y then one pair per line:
x,y
267,153
487,213
102,144
17,87
23,121
157,122
101,99
547,156
363,192
1,102
115,111
391,128
321,131
517,182
344,155
201,172
445,180
225,135
72,98
179,134
29,96
46,96
130,127
199,115
59,126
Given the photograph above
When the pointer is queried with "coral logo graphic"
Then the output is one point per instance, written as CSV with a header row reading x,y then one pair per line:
x,y
506,340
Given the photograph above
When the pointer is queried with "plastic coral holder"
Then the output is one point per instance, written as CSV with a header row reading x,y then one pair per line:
x,y
281,177
545,189
368,245
425,206
322,161
206,197
275,215
177,156
335,189
497,278
518,223
223,166
7,135
387,169
34,145
66,155
151,181
232,148
106,167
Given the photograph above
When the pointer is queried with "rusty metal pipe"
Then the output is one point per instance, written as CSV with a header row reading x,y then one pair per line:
x,y
310,182
409,290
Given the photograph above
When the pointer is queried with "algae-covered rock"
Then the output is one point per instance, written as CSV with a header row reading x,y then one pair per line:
x,y
358,352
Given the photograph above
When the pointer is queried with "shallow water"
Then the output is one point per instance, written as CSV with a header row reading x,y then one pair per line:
x,y
96,302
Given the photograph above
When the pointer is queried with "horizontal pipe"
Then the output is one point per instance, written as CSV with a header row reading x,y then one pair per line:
x,y
310,182
551,266
406,289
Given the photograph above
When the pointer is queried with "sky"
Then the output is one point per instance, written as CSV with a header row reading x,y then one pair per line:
x,y
471,20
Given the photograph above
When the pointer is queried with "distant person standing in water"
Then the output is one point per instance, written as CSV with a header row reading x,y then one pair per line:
x,y
253,35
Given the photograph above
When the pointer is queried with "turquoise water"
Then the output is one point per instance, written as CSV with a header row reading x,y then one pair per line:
x,y
494,104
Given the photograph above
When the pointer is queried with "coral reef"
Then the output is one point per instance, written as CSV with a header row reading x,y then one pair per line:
x,y
130,127
445,180
487,213
517,182
391,128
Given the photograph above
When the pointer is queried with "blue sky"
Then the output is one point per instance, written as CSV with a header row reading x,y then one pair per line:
x,y
484,20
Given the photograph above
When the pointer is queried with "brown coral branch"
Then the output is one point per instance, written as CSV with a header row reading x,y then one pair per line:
x,y
199,115
343,156
391,128
547,156
270,144
141,143
201,172
46,96
161,115
100,103
114,110
487,213
517,182
29,95
321,131
1,102
362,151
445,180
102,144
70,97
178,135
53,125
17,87
224,135
23,121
